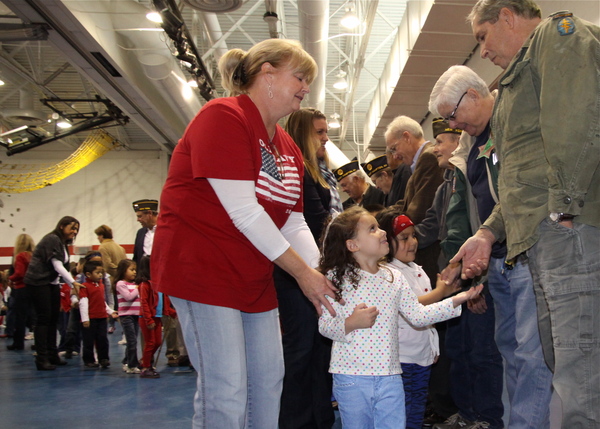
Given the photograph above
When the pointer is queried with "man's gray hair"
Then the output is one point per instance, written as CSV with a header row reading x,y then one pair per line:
x,y
401,124
489,10
452,84
359,174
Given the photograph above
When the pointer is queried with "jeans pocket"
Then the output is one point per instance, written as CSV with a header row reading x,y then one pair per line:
x,y
343,380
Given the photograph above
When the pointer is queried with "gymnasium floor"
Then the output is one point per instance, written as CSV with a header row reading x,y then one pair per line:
x,y
76,398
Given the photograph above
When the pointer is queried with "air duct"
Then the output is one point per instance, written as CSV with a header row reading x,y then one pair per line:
x,y
25,114
215,6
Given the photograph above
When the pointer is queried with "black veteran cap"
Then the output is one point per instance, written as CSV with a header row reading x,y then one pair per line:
x,y
346,170
375,165
143,205
441,126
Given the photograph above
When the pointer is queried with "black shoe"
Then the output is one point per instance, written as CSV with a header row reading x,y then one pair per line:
x,y
69,354
183,361
56,360
104,363
13,347
44,365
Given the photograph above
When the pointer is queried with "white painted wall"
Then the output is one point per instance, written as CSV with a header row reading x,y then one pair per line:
x,y
101,193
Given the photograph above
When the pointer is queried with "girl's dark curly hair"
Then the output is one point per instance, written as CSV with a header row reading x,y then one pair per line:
x,y
122,268
385,218
335,256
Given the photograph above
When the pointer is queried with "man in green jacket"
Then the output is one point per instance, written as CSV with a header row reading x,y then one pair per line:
x,y
546,128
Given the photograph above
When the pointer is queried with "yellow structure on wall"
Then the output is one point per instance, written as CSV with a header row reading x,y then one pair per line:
x,y
14,180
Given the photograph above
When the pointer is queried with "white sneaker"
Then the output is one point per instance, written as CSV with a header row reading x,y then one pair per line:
x,y
29,336
133,371
122,342
125,368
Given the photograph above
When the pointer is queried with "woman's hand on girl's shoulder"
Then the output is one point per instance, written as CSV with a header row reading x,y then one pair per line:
x,y
317,287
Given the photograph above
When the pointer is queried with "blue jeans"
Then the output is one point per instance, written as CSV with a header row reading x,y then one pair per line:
x,y
239,360
131,328
565,264
369,401
528,378
476,370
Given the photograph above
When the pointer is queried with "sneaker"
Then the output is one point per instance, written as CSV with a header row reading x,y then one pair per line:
x,y
75,353
149,373
29,336
455,421
125,367
92,365
133,370
104,363
431,419
122,341
479,425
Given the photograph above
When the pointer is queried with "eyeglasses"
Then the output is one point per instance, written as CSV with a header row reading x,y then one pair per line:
x,y
452,115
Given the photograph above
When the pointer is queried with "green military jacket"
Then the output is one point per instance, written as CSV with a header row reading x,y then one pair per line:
x,y
546,127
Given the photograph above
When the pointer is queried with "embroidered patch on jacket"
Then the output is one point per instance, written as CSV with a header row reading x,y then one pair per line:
x,y
565,26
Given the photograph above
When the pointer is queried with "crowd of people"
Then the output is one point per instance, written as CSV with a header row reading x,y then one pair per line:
x,y
456,268
51,295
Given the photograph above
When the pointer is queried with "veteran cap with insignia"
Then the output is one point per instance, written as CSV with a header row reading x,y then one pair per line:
x,y
143,205
375,165
441,126
346,170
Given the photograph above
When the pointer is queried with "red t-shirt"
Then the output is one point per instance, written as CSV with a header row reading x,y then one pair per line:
x,y
198,253
65,298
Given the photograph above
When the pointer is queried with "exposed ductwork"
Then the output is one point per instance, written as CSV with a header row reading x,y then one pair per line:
x,y
25,114
314,34
214,6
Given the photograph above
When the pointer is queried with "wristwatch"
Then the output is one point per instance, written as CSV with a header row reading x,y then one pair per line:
x,y
559,217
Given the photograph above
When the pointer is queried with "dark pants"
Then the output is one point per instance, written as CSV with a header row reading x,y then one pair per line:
x,y
95,333
20,307
476,373
73,341
307,384
440,399
131,328
46,301
415,379
63,324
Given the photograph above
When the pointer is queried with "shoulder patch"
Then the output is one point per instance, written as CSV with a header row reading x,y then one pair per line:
x,y
565,26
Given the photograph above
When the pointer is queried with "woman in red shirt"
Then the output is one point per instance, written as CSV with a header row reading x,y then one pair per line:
x,y
230,209
21,256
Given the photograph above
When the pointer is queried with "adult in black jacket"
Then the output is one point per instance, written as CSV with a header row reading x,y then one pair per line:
x,y
306,396
146,212
49,264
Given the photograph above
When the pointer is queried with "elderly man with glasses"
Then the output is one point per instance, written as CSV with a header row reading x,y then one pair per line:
x,y
511,296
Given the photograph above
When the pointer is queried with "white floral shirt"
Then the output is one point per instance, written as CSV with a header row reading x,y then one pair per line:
x,y
374,351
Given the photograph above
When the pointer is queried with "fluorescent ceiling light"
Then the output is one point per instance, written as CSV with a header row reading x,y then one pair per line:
x,y
335,121
154,17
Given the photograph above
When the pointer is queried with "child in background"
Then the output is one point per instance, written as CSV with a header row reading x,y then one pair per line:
x,y
63,318
419,346
365,358
72,344
152,305
128,297
94,309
